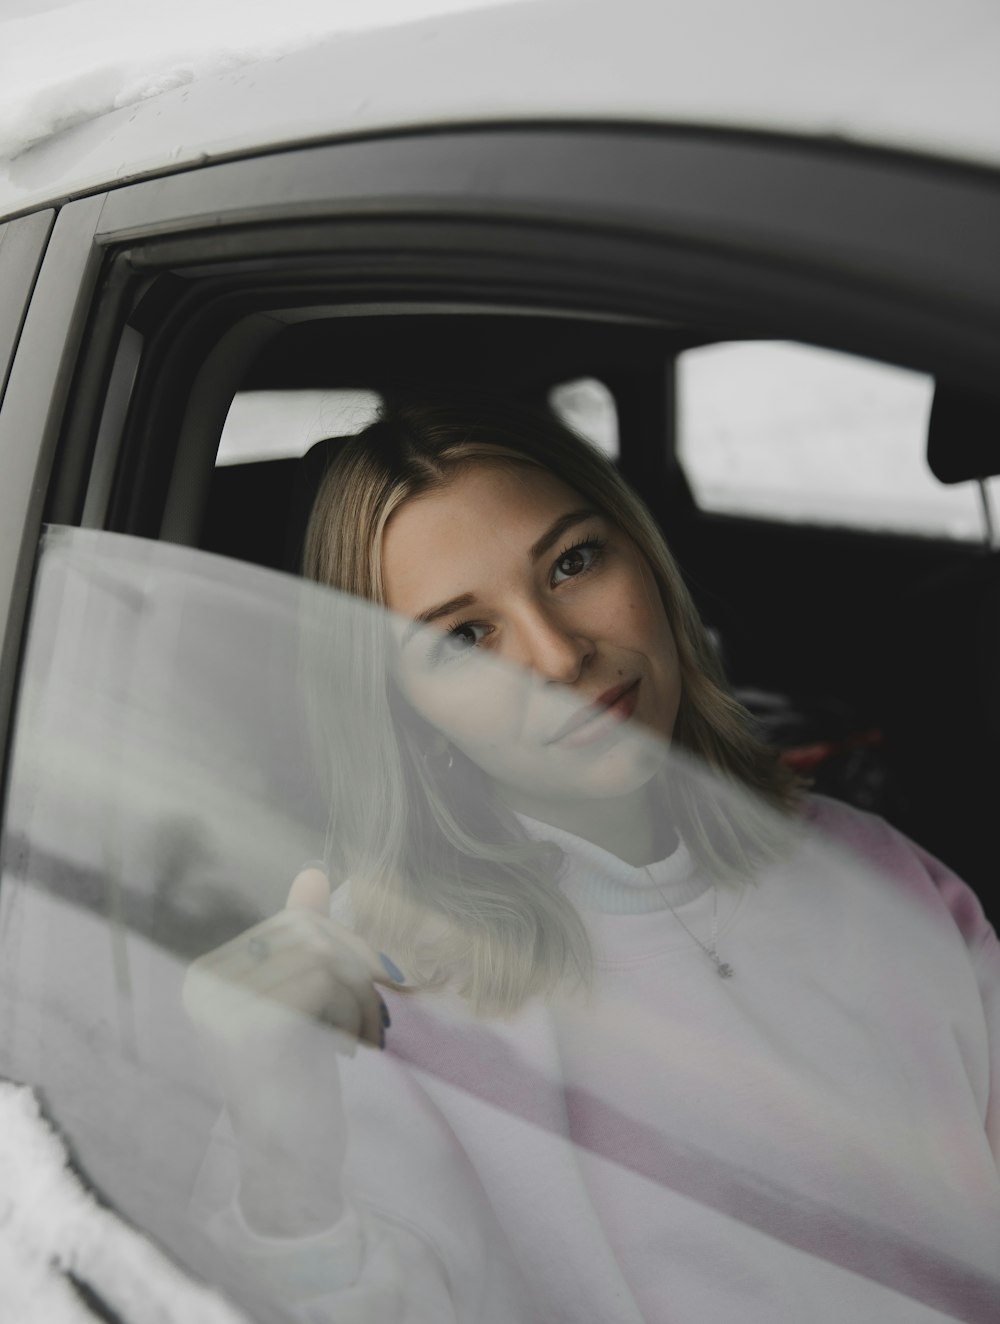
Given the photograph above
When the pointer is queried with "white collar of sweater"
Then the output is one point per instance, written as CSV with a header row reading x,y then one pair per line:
x,y
596,880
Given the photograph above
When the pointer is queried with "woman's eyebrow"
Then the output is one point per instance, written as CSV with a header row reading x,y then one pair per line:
x,y
551,536
555,532
432,614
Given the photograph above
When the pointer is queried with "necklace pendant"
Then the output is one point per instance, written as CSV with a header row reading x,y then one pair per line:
x,y
725,970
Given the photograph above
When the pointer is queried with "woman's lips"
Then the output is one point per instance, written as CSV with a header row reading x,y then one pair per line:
x,y
600,719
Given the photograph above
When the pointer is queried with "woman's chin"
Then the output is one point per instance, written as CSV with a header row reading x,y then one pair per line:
x,y
612,774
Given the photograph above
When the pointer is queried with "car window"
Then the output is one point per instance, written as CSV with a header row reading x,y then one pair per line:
x,y
281,425
162,792
807,435
278,425
587,405
192,732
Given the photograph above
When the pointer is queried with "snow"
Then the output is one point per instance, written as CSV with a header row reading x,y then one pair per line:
x,y
51,1227
64,63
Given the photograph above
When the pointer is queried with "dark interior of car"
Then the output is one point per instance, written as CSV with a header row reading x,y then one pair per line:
x,y
869,658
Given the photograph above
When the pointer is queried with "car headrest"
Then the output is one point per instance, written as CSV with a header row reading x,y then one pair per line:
x,y
963,438
305,487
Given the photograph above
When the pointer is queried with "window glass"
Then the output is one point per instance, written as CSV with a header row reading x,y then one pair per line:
x,y
791,432
191,731
150,794
588,407
273,425
281,425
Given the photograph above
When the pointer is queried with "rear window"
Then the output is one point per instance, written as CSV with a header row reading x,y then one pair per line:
x,y
791,432
282,425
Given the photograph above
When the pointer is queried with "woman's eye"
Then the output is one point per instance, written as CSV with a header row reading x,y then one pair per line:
x,y
576,561
459,641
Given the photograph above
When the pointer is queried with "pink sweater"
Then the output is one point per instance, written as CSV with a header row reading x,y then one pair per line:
x,y
816,1138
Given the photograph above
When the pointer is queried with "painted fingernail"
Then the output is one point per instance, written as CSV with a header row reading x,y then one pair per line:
x,y
386,1018
392,969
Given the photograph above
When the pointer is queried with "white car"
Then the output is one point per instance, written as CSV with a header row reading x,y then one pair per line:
x,y
753,252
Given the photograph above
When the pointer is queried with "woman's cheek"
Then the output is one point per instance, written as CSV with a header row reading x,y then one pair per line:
x,y
467,706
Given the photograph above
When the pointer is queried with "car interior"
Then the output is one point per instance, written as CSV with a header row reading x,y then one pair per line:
x,y
866,656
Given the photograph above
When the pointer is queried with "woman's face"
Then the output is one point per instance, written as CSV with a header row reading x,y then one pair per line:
x,y
508,565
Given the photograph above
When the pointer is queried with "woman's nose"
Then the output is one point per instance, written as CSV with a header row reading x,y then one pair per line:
x,y
554,648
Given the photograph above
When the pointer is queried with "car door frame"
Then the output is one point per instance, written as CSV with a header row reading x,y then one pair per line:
x,y
879,252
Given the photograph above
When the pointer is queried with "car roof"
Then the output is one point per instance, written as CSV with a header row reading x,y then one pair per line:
x,y
910,75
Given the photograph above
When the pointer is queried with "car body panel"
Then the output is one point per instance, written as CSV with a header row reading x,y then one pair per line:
x,y
883,74
22,243
32,411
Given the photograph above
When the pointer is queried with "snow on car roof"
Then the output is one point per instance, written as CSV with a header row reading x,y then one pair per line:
x,y
913,75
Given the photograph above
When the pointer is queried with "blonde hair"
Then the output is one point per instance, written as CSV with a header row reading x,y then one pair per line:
x,y
444,878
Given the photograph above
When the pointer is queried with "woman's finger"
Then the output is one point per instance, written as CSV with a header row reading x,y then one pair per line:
x,y
292,982
299,939
353,960
257,962
310,890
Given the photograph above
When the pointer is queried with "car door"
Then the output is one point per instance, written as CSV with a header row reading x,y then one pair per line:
x,y
157,787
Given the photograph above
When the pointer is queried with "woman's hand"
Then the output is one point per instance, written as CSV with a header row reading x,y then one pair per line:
x,y
274,1007
297,964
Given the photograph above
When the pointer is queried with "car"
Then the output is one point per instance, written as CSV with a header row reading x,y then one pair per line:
x,y
753,254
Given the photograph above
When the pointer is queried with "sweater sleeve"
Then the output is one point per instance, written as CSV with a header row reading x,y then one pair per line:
x,y
364,1268
984,950
891,851
988,971
418,1241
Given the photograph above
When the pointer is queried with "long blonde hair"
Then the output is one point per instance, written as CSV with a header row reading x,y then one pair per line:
x,y
443,877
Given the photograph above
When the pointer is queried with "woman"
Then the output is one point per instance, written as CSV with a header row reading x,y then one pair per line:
x,y
676,1043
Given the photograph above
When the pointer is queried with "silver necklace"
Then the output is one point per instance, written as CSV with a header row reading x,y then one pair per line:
x,y
722,968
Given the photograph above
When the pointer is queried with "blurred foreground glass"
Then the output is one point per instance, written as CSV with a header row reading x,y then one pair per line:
x,y
191,730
